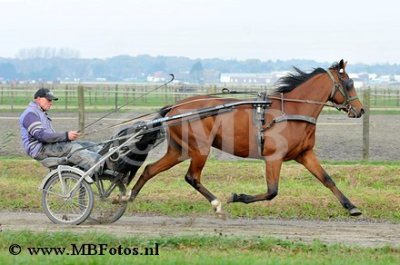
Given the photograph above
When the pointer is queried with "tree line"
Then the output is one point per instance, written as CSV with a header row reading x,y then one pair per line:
x,y
65,65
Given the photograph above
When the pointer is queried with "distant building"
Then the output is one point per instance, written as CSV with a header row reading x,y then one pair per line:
x,y
358,79
250,78
158,77
245,78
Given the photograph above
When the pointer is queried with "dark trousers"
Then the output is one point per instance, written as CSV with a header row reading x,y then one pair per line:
x,y
84,158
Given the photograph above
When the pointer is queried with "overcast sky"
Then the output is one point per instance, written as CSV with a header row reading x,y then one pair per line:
x,y
326,31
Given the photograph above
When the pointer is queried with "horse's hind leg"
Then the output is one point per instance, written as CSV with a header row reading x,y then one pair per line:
x,y
193,178
272,172
310,161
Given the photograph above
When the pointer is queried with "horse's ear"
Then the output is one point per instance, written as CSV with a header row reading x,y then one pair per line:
x,y
342,65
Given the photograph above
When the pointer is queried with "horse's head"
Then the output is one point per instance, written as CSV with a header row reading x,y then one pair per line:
x,y
343,91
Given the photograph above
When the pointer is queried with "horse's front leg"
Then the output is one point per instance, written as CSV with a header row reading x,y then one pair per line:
x,y
272,172
310,161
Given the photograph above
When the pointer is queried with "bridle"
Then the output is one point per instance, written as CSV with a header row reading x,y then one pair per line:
x,y
343,87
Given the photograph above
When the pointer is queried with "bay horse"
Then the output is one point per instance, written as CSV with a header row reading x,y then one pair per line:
x,y
285,131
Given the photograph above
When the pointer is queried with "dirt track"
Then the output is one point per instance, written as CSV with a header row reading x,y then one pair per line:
x,y
349,233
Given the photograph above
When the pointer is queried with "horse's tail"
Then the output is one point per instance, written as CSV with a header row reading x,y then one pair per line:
x,y
139,150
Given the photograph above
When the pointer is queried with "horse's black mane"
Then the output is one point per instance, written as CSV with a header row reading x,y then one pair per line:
x,y
291,81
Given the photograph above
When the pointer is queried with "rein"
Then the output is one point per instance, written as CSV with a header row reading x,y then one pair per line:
x,y
120,107
335,88
307,101
225,91
228,91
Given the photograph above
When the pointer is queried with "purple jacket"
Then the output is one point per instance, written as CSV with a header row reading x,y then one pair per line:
x,y
37,130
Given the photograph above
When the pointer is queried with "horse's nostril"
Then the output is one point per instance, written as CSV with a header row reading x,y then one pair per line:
x,y
362,111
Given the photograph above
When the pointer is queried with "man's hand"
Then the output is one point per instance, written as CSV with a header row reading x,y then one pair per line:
x,y
73,135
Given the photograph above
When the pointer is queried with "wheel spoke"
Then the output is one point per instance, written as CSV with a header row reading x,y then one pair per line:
x,y
74,206
104,211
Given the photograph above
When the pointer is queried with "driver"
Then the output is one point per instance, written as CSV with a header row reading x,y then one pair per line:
x,y
41,141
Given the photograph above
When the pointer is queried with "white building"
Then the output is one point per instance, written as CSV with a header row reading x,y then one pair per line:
x,y
250,78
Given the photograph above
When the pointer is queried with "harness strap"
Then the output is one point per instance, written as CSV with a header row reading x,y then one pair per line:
x,y
330,75
285,117
352,98
259,120
337,87
295,118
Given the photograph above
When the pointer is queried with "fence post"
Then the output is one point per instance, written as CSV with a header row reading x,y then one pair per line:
x,y
89,90
81,109
126,95
1,96
66,97
12,93
366,102
116,97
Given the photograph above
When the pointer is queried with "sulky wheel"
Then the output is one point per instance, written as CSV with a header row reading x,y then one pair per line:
x,y
67,199
105,188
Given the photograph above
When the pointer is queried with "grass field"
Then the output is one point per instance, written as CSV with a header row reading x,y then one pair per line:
x,y
187,250
373,187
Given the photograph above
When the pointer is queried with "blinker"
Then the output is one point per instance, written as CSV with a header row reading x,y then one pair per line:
x,y
348,84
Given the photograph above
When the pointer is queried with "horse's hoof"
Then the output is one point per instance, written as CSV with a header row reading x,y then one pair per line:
x,y
116,200
221,215
355,212
121,199
232,198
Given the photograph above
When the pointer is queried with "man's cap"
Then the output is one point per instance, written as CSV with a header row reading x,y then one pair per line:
x,y
45,93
